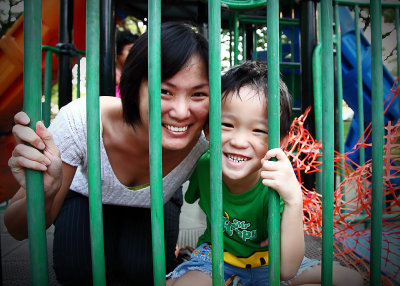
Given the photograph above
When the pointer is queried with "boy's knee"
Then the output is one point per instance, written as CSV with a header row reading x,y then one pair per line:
x,y
343,276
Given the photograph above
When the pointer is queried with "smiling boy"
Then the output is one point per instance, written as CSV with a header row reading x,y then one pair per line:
x,y
247,171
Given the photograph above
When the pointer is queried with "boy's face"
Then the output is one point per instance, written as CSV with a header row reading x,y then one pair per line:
x,y
244,136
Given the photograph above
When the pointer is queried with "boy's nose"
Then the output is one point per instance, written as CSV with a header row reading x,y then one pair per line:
x,y
238,140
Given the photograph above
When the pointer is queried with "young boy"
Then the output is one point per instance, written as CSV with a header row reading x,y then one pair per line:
x,y
246,171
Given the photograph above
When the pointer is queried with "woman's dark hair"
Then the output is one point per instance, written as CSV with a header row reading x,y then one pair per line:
x,y
178,43
254,74
124,38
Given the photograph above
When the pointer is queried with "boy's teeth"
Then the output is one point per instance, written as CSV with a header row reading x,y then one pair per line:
x,y
176,129
237,159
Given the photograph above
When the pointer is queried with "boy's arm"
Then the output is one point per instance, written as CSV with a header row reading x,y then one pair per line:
x,y
280,176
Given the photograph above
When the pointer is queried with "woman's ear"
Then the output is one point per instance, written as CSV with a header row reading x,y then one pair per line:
x,y
206,130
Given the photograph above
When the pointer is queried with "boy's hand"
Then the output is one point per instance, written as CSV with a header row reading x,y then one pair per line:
x,y
280,176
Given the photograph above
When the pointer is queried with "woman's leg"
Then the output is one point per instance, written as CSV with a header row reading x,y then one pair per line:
x,y
135,241
190,278
71,248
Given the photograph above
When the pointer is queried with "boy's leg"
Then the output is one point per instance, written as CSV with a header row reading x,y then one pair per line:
x,y
342,276
191,278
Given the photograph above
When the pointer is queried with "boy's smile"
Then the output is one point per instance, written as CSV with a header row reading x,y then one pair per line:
x,y
244,138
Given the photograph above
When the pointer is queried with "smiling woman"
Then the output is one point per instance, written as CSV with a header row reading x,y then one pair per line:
x,y
124,162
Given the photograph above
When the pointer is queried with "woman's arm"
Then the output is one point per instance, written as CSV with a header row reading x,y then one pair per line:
x,y
44,157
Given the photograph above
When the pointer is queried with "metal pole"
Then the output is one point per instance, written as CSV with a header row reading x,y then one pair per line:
x,y
46,106
154,76
339,81
328,141
214,18
64,58
107,48
274,233
32,106
377,142
236,38
359,83
93,143
78,80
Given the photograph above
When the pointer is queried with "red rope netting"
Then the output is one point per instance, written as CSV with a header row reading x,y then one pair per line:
x,y
352,198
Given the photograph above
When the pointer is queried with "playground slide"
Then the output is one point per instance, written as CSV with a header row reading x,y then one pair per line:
x,y
349,70
11,77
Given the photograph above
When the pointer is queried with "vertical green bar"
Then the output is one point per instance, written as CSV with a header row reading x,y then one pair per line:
x,y
255,41
274,233
47,88
93,141
316,65
78,76
214,34
359,82
236,38
377,141
328,140
244,40
231,31
32,106
339,81
157,214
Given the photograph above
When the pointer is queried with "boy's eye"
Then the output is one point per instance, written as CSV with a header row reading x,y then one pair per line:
x,y
260,131
228,125
164,91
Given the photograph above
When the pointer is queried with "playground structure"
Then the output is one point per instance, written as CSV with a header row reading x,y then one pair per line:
x,y
237,15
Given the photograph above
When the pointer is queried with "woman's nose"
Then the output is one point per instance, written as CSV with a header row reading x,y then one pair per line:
x,y
180,109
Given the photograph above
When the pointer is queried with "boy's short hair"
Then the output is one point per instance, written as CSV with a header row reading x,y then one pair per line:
x,y
254,74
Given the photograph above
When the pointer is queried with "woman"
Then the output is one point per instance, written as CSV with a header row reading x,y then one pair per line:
x,y
124,162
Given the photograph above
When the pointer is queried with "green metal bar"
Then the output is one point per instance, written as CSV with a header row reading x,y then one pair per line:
x,y
230,38
397,16
244,36
367,3
157,214
32,107
339,82
248,19
57,50
328,139
243,4
377,141
47,88
236,38
280,44
255,43
93,141
214,24
274,233
317,74
359,83
290,65
78,75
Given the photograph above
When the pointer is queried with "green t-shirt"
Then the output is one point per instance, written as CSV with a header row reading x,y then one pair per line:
x,y
245,217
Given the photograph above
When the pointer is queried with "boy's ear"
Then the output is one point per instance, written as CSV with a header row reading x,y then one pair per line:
x,y
206,130
284,142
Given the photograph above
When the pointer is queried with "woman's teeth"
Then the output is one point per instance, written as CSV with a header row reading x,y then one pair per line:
x,y
176,129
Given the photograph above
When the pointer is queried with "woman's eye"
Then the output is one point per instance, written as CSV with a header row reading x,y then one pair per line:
x,y
164,91
199,94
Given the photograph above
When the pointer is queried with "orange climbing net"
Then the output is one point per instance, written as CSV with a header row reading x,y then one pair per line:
x,y
352,198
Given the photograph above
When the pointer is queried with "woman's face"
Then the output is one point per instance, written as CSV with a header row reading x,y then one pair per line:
x,y
184,105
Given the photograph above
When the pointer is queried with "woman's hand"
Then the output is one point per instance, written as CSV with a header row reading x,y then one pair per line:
x,y
280,176
42,154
